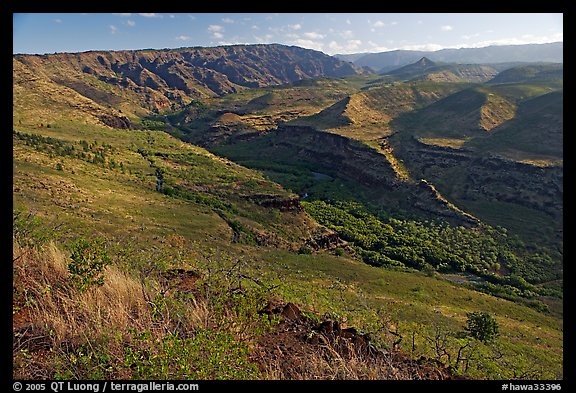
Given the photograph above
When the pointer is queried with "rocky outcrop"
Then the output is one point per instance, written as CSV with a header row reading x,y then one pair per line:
x,y
283,204
350,159
115,121
296,344
189,73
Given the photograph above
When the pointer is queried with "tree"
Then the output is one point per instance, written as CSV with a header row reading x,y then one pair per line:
x,y
482,326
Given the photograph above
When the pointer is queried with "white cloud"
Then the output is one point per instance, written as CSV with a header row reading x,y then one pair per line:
x,y
217,35
113,29
222,43
266,39
424,47
130,23
347,34
124,14
419,22
183,38
379,23
470,36
214,28
377,48
350,46
394,23
57,20
293,36
172,16
192,17
334,46
297,26
150,15
523,40
348,22
227,20
254,27
446,28
309,44
314,35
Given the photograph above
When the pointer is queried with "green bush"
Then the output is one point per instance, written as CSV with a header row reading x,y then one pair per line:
x,y
208,354
29,230
482,326
88,261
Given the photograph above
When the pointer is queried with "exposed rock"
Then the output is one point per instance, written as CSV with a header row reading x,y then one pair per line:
x,y
274,201
115,121
187,73
297,343
291,312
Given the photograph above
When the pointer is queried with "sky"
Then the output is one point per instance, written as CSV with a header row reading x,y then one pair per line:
x,y
331,33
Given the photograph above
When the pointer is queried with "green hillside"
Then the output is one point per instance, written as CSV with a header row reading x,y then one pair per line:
x,y
536,130
464,114
426,69
152,232
531,73
326,228
366,115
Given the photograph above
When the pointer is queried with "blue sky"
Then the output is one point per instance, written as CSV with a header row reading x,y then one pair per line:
x,y
330,33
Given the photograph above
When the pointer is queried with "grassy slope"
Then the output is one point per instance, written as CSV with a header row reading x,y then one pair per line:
x,y
538,120
366,115
125,208
257,110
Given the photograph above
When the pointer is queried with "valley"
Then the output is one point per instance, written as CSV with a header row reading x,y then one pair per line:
x,y
223,180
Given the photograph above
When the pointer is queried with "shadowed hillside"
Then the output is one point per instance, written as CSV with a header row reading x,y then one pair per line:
x,y
158,80
464,113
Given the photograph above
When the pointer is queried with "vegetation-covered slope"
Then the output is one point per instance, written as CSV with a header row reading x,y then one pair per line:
x,y
366,115
156,80
426,69
200,256
531,73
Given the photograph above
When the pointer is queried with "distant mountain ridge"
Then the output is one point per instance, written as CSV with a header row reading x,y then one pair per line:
x,y
426,69
156,80
530,73
387,61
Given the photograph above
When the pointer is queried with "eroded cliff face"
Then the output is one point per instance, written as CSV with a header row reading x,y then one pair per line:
x,y
348,159
488,177
159,80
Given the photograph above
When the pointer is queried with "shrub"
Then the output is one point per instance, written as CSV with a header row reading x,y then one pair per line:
x,y
88,261
208,354
29,230
482,326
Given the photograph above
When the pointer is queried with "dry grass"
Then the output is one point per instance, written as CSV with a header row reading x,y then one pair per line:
x,y
52,319
342,361
62,332
67,313
453,143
